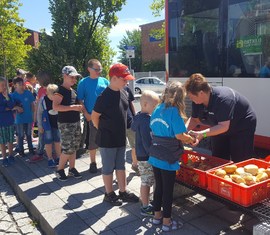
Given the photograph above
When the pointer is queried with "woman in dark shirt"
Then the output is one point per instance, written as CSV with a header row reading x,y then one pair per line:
x,y
230,117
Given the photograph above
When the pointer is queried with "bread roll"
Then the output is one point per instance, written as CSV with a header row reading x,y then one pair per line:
x,y
221,173
249,179
230,169
237,179
252,169
261,177
267,171
240,170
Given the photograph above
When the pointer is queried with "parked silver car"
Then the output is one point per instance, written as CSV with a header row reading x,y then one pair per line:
x,y
149,83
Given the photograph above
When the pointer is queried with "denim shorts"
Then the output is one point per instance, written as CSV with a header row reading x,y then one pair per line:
x,y
112,159
51,136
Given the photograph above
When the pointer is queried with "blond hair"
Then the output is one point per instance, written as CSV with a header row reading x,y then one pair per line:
x,y
149,96
174,96
51,89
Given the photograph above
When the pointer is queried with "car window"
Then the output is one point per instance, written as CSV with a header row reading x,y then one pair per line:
x,y
141,81
155,81
151,81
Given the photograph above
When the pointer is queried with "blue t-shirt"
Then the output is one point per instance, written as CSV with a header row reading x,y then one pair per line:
x,y
6,115
166,122
25,100
89,89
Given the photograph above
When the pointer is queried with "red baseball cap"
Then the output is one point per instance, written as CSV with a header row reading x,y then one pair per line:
x,y
121,70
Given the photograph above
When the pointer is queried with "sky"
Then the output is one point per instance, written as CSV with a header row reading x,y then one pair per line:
x,y
136,12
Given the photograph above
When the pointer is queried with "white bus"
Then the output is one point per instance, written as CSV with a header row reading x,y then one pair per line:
x,y
228,41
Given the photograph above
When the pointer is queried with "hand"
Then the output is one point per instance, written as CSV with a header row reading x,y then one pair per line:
x,y
40,130
77,107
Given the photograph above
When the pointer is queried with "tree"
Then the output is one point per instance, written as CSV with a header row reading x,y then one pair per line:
x,y
80,32
157,6
132,38
12,36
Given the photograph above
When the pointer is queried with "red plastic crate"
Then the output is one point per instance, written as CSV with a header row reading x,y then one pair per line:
x,y
194,166
245,196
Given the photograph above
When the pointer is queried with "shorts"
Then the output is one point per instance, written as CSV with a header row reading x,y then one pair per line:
x,y
6,134
147,174
51,136
92,136
70,137
131,138
112,159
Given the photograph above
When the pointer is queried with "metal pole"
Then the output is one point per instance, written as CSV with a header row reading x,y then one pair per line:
x,y
129,63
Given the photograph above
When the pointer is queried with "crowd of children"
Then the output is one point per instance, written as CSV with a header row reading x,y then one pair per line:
x,y
159,131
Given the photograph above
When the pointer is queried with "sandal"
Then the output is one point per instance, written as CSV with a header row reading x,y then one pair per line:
x,y
175,225
156,221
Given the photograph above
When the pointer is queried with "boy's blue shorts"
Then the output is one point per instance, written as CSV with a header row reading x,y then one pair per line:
x,y
51,136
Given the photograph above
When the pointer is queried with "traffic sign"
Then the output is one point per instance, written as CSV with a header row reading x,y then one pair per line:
x,y
130,54
130,48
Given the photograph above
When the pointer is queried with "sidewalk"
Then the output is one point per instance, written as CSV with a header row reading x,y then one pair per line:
x,y
76,206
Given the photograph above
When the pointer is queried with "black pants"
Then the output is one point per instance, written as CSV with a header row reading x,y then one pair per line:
x,y
236,147
163,194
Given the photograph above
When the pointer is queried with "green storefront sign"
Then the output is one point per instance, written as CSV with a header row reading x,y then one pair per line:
x,y
250,45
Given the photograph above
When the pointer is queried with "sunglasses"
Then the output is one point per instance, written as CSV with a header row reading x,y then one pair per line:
x,y
97,70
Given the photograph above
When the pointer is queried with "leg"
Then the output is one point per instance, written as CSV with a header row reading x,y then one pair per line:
x,y
28,132
20,133
108,181
48,148
92,147
121,179
242,146
3,150
168,178
158,192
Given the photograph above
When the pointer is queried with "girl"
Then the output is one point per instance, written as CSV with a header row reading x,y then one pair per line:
x,y
168,129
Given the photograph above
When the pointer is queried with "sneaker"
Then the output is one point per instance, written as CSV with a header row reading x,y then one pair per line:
x,y
112,198
36,158
73,172
128,197
11,159
60,174
147,211
32,152
51,163
22,154
93,167
5,162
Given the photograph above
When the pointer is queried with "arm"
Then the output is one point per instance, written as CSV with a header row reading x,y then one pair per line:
x,y
95,118
85,113
186,138
192,123
57,99
220,128
132,108
39,116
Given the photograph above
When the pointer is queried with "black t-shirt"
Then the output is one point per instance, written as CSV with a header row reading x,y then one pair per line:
x,y
225,104
69,98
112,105
52,117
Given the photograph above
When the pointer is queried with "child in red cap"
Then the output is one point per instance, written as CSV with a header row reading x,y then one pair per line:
x,y
109,117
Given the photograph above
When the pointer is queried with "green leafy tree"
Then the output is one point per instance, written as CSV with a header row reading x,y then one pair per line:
x,y
132,38
80,32
157,7
13,50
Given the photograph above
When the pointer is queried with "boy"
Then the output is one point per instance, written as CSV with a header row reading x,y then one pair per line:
x,y
43,80
141,126
66,103
24,120
6,123
89,88
47,125
109,117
